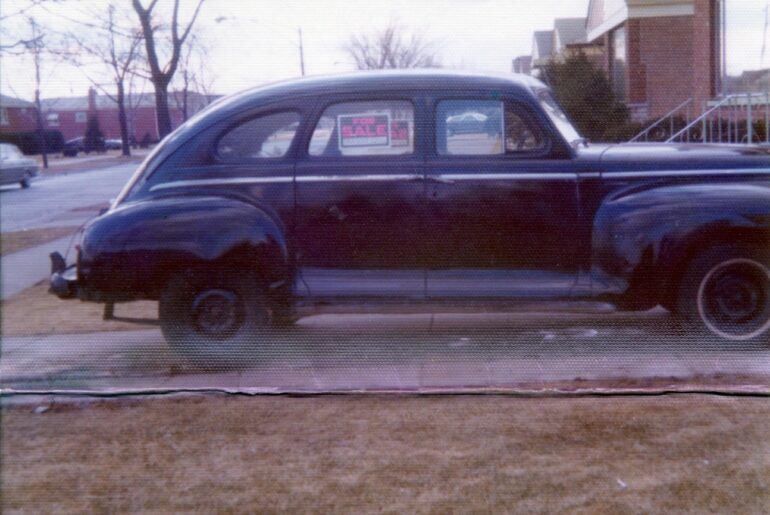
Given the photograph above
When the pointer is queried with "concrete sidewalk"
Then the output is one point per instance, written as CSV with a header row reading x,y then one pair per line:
x,y
20,270
349,354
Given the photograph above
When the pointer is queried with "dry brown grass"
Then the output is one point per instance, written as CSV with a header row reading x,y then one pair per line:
x,y
15,241
685,454
34,311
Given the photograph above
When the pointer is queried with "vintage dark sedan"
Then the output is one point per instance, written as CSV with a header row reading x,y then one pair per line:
x,y
353,193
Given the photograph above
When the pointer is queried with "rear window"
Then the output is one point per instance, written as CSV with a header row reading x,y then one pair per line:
x,y
264,137
372,128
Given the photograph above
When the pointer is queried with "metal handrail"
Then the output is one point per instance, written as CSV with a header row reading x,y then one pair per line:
x,y
706,114
661,119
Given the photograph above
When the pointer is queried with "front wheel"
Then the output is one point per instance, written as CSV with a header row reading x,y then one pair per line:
x,y
24,183
213,317
726,291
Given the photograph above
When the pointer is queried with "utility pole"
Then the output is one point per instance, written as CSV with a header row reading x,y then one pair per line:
x,y
301,52
40,128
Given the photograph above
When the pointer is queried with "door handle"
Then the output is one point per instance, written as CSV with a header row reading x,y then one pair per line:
x,y
441,180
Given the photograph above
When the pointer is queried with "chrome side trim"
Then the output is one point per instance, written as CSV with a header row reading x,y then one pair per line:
x,y
359,178
686,173
221,182
505,176
457,177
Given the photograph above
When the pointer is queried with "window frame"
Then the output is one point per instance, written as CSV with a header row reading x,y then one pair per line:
x,y
398,96
526,112
288,155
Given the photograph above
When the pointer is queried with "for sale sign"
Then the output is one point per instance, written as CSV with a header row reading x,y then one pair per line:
x,y
364,130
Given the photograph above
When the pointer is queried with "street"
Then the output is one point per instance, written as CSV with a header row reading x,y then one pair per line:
x,y
69,199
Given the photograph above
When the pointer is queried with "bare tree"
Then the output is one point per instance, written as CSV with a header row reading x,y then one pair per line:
x,y
11,43
116,47
161,76
35,45
392,48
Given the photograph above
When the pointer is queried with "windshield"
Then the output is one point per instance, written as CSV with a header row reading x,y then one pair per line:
x,y
558,117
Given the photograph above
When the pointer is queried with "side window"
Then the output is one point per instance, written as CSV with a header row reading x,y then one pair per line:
x,y
485,127
263,137
376,128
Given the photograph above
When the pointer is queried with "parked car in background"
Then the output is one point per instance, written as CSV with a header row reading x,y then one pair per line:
x,y
357,193
76,145
15,167
73,146
113,144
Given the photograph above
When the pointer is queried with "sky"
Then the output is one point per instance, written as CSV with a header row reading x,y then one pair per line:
x,y
250,42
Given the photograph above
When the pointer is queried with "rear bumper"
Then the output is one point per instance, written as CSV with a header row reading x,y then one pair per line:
x,y
63,281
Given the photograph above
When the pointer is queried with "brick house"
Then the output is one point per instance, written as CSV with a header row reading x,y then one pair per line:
x,y
70,114
659,53
16,115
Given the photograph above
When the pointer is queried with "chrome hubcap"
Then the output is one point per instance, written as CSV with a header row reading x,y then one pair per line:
x,y
734,299
217,313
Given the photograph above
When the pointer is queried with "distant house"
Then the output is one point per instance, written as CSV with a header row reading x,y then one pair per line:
x,y
16,115
70,114
522,64
567,38
542,50
659,53
753,81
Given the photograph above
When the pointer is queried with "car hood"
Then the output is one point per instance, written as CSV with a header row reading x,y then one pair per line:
x,y
693,154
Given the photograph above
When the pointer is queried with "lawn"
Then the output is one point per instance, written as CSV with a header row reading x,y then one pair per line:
x,y
399,454
15,241
34,311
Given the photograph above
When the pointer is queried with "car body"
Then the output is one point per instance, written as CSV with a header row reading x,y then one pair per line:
x,y
350,192
15,167
467,123
75,145
113,144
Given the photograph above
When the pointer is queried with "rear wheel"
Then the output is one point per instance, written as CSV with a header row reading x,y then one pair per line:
x,y
213,317
726,292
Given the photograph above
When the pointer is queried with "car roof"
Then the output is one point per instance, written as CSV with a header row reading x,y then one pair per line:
x,y
379,80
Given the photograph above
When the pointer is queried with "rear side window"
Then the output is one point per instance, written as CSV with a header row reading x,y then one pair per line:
x,y
372,128
485,127
264,137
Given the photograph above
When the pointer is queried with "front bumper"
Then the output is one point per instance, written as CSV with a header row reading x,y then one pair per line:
x,y
64,279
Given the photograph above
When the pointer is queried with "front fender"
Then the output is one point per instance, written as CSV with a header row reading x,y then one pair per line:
x,y
641,238
133,249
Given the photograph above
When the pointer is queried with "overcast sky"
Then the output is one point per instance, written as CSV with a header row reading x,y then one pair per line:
x,y
256,42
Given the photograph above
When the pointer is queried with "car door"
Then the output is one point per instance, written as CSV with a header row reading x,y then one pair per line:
x,y
502,203
360,196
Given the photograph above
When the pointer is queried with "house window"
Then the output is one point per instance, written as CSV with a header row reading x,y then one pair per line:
x,y
619,62
81,117
52,119
4,117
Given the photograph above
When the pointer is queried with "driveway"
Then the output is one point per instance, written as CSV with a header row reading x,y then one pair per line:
x,y
395,353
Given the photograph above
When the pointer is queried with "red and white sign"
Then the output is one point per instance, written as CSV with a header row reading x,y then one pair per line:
x,y
364,130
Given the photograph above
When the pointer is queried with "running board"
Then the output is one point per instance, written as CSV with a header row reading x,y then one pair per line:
x,y
407,307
